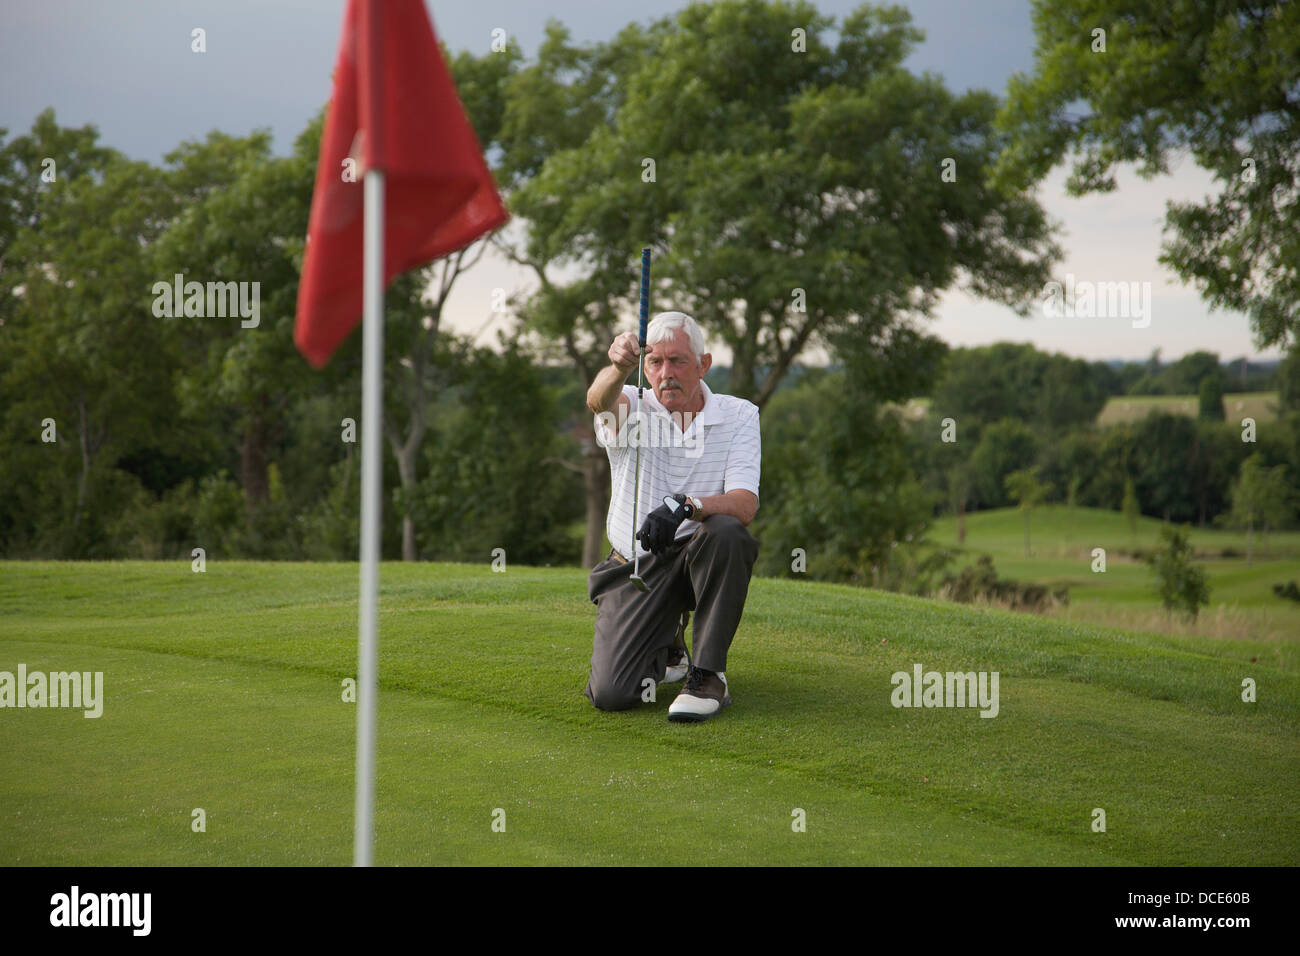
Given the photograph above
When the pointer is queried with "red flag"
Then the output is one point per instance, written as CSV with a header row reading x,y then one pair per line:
x,y
394,109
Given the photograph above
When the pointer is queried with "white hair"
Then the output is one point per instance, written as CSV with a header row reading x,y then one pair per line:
x,y
663,325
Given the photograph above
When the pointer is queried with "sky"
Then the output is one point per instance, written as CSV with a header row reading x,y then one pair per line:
x,y
126,66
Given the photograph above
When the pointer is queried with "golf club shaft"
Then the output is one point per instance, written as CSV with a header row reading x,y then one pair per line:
x,y
640,386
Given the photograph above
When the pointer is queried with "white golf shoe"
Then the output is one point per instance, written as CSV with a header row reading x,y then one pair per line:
x,y
704,695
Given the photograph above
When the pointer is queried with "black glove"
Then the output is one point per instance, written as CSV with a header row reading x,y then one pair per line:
x,y
661,525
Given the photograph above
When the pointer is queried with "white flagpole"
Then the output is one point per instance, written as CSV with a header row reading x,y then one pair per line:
x,y
372,410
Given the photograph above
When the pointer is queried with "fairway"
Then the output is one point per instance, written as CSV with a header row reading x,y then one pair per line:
x,y
1242,602
223,691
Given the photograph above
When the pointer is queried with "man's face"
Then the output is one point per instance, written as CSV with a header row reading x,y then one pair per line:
x,y
675,373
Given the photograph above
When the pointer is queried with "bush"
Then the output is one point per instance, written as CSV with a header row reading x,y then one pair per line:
x,y
980,582
1182,585
153,529
219,516
1288,591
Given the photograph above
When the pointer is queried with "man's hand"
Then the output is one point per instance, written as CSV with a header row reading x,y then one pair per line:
x,y
661,525
625,351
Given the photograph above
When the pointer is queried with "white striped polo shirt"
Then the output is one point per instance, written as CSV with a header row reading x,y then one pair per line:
x,y
719,452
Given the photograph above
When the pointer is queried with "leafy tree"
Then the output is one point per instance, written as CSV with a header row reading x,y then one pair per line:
x,y
553,106
1288,382
1024,488
959,487
1151,381
500,488
417,300
36,170
1074,460
1260,496
847,499
1004,447
1013,380
1167,464
1181,584
1187,374
797,199
1071,503
1217,79
243,222
73,342
31,165
1210,400
1216,455
1130,508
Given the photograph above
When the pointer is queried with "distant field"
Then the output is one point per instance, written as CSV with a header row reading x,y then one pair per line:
x,y
222,692
1261,406
1241,597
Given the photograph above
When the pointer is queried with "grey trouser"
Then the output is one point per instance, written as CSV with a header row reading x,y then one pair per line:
x,y
707,573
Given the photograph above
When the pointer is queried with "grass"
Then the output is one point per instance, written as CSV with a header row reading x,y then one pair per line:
x,y
223,692
1242,602
1120,409
1261,406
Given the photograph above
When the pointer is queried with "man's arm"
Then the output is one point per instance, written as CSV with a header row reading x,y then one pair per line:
x,y
740,504
607,390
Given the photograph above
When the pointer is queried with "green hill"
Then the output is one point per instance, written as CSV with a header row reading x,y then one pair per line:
x,y
223,692
1242,601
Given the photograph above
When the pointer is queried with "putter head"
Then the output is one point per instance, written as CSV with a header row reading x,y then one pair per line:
x,y
640,583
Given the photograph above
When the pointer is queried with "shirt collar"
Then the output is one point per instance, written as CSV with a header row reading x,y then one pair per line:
x,y
710,414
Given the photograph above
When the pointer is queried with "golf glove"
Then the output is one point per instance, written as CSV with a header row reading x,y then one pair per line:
x,y
661,525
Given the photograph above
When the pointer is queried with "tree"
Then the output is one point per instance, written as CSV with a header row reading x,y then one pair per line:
x,y
795,196
1071,503
31,166
553,106
1004,447
1013,380
1260,496
1167,462
79,325
1073,459
1131,509
846,502
1188,374
1024,488
1180,583
1288,382
495,410
1219,79
37,170
244,220
959,495
1210,400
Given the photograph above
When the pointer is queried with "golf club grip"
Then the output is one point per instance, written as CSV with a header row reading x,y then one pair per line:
x,y
645,296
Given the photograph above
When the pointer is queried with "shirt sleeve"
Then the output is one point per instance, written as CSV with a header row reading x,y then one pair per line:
x,y
609,424
744,457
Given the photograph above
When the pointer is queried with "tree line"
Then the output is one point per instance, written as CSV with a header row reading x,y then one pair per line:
x,y
802,188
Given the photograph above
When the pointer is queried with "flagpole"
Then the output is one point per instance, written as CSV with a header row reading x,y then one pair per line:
x,y
372,409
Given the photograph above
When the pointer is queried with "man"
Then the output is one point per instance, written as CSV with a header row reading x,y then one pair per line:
x,y
699,492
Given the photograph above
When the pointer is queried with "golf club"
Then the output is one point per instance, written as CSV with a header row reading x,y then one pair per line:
x,y
640,388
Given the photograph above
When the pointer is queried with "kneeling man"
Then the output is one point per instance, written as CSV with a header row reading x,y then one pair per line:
x,y
698,492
